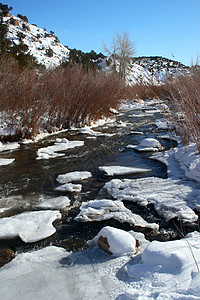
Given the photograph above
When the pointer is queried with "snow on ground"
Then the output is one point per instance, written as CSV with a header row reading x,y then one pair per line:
x,y
6,161
29,226
148,144
170,198
189,160
60,145
105,209
120,170
165,270
54,203
73,176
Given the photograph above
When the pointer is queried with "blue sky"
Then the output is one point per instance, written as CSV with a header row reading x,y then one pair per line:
x,y
169,28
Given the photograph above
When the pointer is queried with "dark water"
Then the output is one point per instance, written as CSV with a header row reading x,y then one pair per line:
x,y
24,181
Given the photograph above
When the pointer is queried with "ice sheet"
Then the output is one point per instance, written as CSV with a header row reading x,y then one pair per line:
x,y
170,197
120,170
105,209
29,226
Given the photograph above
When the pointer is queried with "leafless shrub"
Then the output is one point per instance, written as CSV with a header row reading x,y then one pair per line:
x,y
58,98
185,108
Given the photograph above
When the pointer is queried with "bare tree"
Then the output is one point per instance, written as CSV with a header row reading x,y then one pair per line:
x,y
121,51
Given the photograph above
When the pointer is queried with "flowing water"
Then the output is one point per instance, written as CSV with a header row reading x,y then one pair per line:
x,y
23,182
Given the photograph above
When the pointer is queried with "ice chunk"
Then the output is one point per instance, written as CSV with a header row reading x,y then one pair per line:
x,y
29,226
6,161
120,170
60,145
69,187
148,144
169,197
105,209
54,203
73,176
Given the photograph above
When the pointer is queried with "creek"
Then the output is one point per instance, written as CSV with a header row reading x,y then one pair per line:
x,y
27,179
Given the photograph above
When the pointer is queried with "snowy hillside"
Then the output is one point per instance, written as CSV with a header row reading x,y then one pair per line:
x,y
48,51
44,46
149,70
154,70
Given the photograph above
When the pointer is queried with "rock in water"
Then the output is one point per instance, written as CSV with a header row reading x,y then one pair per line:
x,y
103,244
6,255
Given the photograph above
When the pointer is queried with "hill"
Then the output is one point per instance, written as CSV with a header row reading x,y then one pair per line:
x,y
44,46
47,50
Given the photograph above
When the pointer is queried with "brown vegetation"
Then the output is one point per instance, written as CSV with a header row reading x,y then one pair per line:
x,y
64,97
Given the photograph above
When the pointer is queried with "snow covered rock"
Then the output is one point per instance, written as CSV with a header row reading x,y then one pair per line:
x,y
170,198
105,209
115,241
29,226
148,144
120,170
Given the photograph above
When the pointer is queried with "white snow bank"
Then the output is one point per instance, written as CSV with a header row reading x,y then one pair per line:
x,y
105,209
148,144
69,187
170,198
73,176
120,170
120,242
60,145
6,161
168,270
8,146
54,203
189,160
29,226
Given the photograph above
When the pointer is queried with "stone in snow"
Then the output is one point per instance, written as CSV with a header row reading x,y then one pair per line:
x,y
115,241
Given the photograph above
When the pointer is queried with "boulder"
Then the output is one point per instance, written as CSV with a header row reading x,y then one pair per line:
x,y
6,255
115,241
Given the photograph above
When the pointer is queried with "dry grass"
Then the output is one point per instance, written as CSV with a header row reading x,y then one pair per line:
x,y
185,108
61,98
